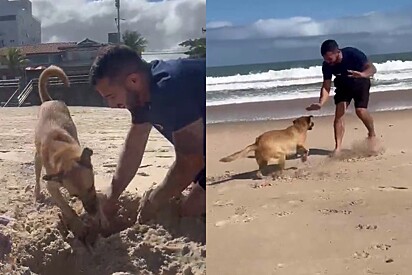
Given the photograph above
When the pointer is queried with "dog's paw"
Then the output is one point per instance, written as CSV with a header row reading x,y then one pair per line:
x,y
259,175
39,198
304,158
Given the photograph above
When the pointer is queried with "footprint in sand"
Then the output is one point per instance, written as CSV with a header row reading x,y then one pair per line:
x,y
261,185
283,213
295,202
353,189
244,218
381,246
359,255
223,203
241,210
366,226
334,211
357,202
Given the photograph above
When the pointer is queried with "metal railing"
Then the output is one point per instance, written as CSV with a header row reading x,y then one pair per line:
x,y
53,81
9,83
25,93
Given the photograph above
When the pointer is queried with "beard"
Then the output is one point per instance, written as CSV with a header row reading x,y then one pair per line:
x,y
132,99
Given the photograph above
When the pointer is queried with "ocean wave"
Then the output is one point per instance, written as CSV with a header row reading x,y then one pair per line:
x,y
392,70
262,96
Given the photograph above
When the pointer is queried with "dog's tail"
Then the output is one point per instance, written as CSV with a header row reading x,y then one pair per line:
x,y
241,154
50,71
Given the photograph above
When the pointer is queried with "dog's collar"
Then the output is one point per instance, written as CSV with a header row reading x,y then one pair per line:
x,y
54,177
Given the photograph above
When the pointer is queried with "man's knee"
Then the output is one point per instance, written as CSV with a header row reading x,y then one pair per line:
x,y
361,112
340,114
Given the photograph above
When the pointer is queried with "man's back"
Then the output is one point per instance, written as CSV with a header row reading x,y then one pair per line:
x,y
180,79
177,95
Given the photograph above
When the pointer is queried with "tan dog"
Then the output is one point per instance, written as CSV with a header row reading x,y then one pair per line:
x,y
58,150
275,145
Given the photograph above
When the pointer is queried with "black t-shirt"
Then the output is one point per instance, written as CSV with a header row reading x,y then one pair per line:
x,y
352,59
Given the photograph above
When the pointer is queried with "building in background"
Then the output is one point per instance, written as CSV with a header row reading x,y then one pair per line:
x,y
18,27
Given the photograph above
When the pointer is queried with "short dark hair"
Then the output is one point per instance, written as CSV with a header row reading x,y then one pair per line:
x,y
116,60
329,45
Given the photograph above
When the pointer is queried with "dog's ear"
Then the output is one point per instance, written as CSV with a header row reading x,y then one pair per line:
x,y
56,177
85,158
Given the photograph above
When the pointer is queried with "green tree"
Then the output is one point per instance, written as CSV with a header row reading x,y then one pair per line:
x,y
196,47
14,60
135,41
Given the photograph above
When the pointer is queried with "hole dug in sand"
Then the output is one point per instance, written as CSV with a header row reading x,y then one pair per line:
x,y
170,245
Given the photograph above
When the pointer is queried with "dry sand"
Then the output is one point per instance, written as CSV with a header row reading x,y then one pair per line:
x,y
348,216
34,236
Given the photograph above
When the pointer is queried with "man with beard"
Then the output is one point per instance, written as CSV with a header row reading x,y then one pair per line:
x,y
352,70
170,96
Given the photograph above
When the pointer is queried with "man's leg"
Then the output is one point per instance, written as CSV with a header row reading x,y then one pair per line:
x,y
361,106
367,120
339,125
195,203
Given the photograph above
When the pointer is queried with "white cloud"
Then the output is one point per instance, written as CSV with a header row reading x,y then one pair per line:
x,y
298,38
218,24
164,24
295,26
372,22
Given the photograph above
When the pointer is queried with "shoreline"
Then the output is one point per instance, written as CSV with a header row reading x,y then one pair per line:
x,y
387,101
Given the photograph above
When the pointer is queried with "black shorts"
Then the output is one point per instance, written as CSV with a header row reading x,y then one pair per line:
x,y
201,178
356,89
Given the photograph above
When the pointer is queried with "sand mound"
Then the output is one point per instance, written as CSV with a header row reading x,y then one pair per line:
x,y
170,245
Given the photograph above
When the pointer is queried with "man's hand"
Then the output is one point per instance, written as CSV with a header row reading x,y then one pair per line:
x,y
356,74
314,107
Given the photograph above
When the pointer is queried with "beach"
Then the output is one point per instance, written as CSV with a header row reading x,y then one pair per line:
x,y
325,216
31,233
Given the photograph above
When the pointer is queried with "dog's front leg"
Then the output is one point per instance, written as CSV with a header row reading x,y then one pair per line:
x,y
38,165
74,221
305,152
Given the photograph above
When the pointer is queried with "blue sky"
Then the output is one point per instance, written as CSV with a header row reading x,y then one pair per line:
x,y
240,31
246,11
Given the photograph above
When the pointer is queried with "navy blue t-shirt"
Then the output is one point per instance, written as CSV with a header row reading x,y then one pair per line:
x,y
352,59
177,96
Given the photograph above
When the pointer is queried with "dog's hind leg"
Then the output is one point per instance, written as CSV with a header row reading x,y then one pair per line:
x,y
38,165
262,164
282,162
73,220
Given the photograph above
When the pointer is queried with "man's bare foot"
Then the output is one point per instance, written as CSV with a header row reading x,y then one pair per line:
x,y
336,153
372,144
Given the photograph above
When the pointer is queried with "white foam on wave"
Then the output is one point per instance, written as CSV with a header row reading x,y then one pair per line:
x,y
262,86
295,95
